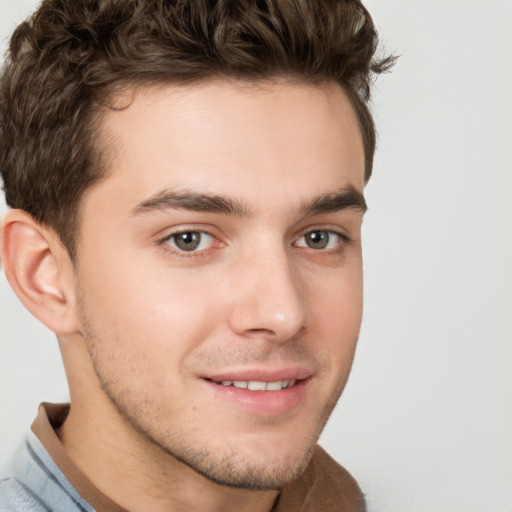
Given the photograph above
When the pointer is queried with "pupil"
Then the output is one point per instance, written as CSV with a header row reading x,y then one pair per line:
x,y
317,239
188,241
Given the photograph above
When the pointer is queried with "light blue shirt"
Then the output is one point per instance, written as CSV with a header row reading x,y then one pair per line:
x,y
32,482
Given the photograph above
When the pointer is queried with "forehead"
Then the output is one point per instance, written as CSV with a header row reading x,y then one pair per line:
x,y
231,138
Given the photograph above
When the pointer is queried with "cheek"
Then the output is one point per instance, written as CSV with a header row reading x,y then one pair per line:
x,y
137,305
336,313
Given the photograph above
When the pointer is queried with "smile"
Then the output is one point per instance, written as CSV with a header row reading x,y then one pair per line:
x,y
255,385
269,397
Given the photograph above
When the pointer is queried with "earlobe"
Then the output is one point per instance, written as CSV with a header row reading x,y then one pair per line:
x,y
37,268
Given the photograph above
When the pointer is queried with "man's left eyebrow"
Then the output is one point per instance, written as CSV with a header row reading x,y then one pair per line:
x,y
348,198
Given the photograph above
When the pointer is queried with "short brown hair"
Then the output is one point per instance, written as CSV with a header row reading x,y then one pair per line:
x,y
70,56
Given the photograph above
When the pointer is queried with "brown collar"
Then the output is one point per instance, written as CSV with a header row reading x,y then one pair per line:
x,y
50,417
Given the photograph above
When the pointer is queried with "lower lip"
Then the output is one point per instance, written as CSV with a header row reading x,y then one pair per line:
x,y
265,403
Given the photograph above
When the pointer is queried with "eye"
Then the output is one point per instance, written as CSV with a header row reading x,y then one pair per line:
x,y
190,241
320,239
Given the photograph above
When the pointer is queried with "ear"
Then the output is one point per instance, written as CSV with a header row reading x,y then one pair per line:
x,y
39,271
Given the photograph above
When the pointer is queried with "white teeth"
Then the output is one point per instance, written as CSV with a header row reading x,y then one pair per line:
x,y
274,386
256,385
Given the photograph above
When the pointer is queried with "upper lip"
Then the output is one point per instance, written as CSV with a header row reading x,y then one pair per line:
x,y
261,374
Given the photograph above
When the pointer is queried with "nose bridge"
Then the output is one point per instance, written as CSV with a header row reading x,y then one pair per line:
x,y
268,299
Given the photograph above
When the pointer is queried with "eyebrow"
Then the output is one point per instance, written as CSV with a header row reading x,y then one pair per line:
x,y
348,197
193,201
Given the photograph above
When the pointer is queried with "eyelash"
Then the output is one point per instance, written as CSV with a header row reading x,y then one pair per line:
x,y
164,242
339,245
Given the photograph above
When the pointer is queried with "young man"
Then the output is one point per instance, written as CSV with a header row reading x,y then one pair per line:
x,y
186,190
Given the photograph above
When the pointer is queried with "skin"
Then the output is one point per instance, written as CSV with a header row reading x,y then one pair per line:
x,y
144,325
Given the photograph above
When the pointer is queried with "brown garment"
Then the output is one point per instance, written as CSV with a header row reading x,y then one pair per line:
x,y
325,486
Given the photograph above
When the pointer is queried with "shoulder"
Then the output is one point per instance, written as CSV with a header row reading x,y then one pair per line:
x,y
13,496
325,485
31,482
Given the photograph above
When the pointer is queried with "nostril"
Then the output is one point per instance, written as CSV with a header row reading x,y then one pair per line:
x,y
259,331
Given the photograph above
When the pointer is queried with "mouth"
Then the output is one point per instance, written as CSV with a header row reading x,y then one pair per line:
x,y
269,395
257,385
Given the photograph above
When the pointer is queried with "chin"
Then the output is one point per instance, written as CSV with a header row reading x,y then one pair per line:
x,y
245,472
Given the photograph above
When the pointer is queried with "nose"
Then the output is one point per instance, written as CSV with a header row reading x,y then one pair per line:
x,y
267,298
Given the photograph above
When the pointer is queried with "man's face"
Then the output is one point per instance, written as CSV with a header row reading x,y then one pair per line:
x,y
219,274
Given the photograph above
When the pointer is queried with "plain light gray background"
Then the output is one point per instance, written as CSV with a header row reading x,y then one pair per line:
x,y
425,424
